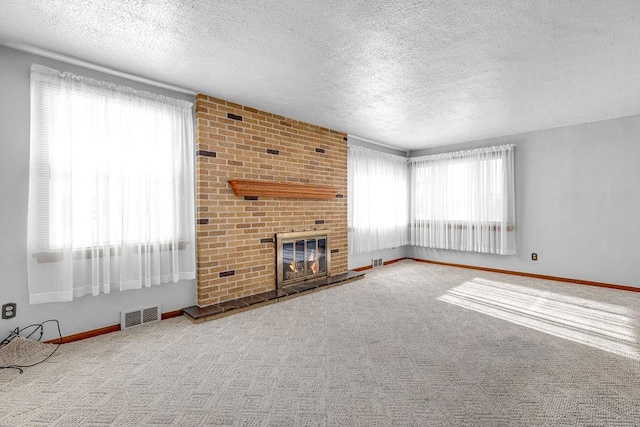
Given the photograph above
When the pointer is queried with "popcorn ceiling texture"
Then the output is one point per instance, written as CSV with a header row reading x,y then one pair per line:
x,y
235,258
413,74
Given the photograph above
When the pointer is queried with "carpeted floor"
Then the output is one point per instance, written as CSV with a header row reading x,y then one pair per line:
x,y
412,344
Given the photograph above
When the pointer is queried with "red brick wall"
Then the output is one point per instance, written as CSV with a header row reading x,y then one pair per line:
x,y
237,142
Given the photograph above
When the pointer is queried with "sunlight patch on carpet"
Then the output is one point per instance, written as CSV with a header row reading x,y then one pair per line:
x,y
604,326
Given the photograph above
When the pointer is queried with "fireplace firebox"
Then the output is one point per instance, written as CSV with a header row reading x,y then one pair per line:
x,y
301,256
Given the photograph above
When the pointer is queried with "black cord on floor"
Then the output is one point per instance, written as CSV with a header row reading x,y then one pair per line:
x,y
38,327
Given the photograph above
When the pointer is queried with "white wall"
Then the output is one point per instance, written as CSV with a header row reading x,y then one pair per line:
x,y
577,203
364,259
84,313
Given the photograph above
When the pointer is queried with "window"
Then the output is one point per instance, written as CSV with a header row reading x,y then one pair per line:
x,y
377,200
464,200
111,188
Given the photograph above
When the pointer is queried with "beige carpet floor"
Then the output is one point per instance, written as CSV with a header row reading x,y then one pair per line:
x,y
412,344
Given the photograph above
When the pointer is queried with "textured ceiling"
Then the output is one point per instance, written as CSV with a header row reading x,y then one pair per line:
x,y
411,74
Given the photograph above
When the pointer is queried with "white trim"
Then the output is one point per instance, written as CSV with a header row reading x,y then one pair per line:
x,y
95,67
380,153
377,143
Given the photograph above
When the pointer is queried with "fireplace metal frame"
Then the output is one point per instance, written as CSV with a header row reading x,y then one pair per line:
x,y
292,237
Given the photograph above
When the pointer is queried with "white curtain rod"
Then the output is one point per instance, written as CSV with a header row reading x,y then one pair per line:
x,y
377,143
95,67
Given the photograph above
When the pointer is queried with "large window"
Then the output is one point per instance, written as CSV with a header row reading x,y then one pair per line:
x,y
111,188
377,200
464,201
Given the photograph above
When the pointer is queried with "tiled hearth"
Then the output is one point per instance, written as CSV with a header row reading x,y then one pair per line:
x,y
214,311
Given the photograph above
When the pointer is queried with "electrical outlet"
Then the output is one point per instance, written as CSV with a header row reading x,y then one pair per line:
x,y
9,310
534,256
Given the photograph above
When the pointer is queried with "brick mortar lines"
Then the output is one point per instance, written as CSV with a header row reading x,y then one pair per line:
x,y
230,229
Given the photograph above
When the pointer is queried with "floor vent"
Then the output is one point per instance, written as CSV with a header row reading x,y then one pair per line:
x,y
376,262
140,316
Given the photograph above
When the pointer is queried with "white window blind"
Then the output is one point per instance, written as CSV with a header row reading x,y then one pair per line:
x,y
111,192
464,200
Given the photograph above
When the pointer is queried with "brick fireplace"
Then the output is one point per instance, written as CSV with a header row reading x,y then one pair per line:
x,y
236,234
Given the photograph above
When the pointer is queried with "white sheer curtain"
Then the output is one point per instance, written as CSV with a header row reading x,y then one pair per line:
x,y
111,204
464,201
378,190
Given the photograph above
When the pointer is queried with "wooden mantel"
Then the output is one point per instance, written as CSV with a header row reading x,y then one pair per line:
x,y
243,187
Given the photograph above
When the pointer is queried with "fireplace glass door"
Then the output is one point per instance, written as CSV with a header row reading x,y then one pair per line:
x,y
302,257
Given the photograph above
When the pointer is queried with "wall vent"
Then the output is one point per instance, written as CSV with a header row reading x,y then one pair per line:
x,y
376,262
140,316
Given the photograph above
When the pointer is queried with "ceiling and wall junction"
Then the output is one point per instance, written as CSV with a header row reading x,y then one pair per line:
x,y
412,75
